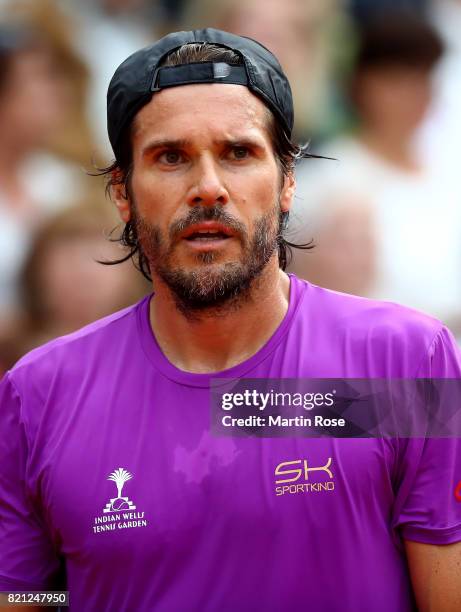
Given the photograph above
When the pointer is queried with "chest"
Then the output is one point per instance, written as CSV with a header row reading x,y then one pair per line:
x,y
149,474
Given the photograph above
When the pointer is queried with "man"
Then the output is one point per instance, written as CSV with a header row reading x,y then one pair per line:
x,y
109,467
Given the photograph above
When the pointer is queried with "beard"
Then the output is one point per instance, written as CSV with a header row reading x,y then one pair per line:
x,y
210,287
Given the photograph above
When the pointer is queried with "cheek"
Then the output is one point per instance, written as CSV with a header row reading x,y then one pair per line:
x,y
258,194
156,198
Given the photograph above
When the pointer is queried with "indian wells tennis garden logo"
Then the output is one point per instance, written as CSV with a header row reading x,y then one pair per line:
x,y
118,512
118,503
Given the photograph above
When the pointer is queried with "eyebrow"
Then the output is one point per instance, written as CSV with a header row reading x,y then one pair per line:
x,y
242,142
183,143
164,144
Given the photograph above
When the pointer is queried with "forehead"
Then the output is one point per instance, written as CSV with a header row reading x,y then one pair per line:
x,y
200,110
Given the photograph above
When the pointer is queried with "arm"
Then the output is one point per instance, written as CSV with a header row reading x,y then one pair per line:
x,y
28,560
430,510
436,575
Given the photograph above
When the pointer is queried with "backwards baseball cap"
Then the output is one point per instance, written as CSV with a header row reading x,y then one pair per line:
x,y
141,75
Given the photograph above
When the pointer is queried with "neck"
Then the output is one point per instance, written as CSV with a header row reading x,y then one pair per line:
x,y
392,146
218,340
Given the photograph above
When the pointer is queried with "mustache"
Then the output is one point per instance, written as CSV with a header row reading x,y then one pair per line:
x,y
199,214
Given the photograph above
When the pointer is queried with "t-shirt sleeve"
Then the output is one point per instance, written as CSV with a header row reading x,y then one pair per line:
x,y
27,557
428,498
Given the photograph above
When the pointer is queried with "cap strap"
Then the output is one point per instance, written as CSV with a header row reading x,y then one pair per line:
x,y
198,72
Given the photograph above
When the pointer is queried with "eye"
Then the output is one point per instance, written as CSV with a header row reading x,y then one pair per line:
x,y
240,152
171,157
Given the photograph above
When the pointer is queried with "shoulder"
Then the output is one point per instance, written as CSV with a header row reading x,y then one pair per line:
x,y
49,385
78,352
366,315
394,339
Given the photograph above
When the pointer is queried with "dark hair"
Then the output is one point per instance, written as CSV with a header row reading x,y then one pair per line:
x,y
398,38
286,151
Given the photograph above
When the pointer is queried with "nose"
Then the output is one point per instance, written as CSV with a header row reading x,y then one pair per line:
x,y
208,188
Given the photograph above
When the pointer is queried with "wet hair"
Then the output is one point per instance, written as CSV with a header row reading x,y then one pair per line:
x,y
286,151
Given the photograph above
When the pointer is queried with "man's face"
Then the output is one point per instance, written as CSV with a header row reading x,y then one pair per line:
x,y
206,191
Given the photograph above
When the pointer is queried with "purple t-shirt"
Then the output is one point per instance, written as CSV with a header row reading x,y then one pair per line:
x,y
107,462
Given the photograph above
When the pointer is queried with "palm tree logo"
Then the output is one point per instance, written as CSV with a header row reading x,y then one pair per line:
x,y
118,503
120,476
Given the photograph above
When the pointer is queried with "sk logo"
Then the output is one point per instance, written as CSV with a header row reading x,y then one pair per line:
x,y
458,491
296,477
119,503
300,468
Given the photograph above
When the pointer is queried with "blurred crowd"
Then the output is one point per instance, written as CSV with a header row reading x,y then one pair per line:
x,y
376,85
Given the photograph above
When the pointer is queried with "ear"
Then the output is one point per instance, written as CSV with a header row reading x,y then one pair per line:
x,y
288,192
120,197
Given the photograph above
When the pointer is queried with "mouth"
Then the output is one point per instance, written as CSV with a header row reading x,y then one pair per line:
x,y
207,234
